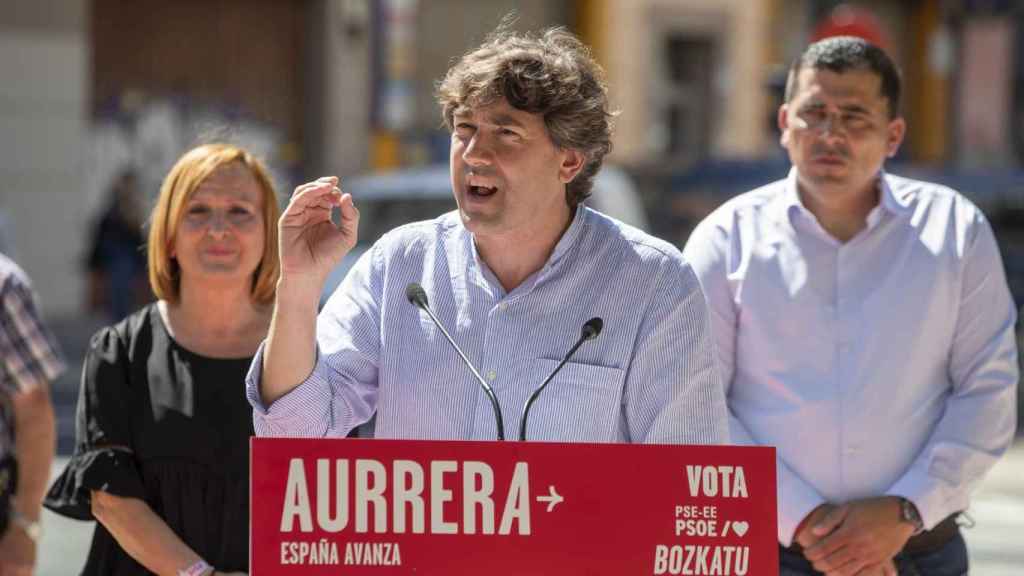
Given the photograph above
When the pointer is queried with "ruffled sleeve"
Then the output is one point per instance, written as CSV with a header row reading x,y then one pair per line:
x,y
104,458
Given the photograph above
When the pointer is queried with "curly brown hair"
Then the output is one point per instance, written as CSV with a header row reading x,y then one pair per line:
x,y
553,75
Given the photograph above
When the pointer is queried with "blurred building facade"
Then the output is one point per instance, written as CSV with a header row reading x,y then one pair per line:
x,y
346,86
44,61
698,79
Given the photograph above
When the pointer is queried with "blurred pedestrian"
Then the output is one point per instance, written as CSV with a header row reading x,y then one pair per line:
x,y
30,363
161,457
864,329
116,261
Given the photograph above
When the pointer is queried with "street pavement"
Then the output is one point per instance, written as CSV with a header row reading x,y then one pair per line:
x,y
995,543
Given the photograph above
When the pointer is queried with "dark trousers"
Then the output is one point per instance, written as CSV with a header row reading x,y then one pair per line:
x,y
948,560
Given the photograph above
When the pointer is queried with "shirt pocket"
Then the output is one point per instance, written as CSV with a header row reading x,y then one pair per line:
x,y
582,403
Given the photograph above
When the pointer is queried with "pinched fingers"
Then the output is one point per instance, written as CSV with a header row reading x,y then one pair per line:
x,y
313,202
347,206
323,192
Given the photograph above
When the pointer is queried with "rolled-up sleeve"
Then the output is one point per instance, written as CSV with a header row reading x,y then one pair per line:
x,y
341,391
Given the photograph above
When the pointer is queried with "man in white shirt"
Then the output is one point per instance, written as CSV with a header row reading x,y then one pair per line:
x,y
864,327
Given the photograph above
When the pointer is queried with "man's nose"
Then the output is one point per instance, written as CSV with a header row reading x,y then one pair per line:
x,y
478,151
830,125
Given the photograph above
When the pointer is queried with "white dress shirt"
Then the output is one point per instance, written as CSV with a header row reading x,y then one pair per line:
x,y
885,365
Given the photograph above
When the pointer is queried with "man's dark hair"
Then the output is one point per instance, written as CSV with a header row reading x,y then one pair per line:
x,y
552,75
842,53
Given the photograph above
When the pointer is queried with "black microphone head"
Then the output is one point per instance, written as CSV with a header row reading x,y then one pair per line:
x,y
416,294
591,328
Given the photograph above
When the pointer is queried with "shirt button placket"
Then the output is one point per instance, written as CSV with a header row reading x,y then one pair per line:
x,y
489,369
842,359
484,415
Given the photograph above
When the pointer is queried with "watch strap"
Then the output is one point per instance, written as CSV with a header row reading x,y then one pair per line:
x,y
910,515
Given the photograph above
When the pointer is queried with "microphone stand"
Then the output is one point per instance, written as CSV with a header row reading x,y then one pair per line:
x,y
415,293
591,328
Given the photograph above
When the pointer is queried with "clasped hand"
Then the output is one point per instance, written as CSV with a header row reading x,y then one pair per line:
x,y
858,538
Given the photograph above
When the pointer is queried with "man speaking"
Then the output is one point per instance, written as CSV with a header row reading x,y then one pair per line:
x,y
516,275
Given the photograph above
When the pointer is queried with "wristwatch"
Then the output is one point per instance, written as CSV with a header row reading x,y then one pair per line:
x,y
910,515
32,529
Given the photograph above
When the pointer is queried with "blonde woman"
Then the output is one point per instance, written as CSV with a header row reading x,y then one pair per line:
x,y
161,458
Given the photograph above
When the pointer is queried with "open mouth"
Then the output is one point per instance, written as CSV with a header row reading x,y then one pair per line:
x,y
482,191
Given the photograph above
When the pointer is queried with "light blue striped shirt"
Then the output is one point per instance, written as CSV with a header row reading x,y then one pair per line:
x,y
649,377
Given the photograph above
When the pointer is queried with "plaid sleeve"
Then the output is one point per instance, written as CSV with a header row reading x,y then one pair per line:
x,y
29,351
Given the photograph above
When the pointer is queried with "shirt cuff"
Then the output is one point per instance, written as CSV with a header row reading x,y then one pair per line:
x,y
305,411
795,503
933,499
252,381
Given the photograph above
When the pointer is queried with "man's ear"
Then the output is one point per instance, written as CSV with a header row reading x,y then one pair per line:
x,y
572,162
897,129
782,119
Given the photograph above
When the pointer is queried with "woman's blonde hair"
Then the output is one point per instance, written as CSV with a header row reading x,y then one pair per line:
x,y
177,188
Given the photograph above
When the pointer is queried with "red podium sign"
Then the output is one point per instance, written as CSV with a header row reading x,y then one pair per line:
x,y
388,507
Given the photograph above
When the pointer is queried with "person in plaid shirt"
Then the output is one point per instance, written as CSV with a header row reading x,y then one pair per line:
x,y
30,362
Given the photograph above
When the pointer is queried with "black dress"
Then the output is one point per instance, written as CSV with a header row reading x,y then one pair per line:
x,y
160,423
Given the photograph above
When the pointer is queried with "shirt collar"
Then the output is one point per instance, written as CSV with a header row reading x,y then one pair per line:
x,y
891,201
484,277
569,237
895,201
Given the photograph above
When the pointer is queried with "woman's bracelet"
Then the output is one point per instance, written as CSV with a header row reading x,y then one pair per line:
x,y
200,568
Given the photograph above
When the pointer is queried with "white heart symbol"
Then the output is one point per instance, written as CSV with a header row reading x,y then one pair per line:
x,y
740,528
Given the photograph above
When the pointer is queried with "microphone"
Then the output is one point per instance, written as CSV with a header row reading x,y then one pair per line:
x,y
591,329
418,297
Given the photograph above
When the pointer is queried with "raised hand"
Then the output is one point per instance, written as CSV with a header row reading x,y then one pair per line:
x,y
310,243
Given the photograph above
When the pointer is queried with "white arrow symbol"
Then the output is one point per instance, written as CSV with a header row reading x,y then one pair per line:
x,y
553,500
